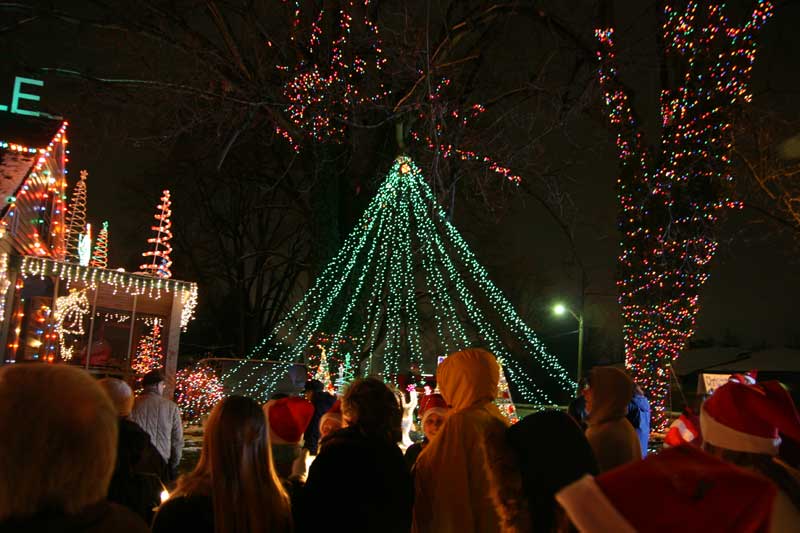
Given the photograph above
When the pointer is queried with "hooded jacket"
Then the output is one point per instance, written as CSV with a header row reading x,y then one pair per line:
x,y
453,491
611,436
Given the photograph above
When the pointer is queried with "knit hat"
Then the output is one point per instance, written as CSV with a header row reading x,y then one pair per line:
x,y
748,418
679,489
154,377
334,412
430,404
288,419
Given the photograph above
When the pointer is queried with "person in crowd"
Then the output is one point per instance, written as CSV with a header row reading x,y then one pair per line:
x,y
322,401
432,412
161,419
360,474
452,485
639,417
742,424
57,453
612,438
331,421
577,407
679,489
234,488
288,419
550,451
140,469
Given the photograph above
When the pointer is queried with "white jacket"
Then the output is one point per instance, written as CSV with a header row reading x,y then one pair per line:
x,y
161,419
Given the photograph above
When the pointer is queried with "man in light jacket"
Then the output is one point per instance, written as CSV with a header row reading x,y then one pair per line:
x,y
161,419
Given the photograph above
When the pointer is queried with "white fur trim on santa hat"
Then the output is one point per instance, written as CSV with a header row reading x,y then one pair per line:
x,y
722,436
441,411
590,510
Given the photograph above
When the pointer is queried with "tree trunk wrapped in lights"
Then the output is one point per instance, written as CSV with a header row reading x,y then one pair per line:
x,y
672,195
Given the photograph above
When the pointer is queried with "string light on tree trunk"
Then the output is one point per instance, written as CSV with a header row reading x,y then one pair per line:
x,y
671,196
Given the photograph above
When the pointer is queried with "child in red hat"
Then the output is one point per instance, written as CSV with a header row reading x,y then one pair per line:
x,y
288,419
432,412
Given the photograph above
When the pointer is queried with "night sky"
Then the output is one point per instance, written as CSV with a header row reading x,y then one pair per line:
x,y
754,288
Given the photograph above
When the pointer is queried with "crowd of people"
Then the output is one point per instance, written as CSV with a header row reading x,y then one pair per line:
x,y
81,455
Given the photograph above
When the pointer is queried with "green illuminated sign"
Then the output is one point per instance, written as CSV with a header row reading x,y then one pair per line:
x,y
18,95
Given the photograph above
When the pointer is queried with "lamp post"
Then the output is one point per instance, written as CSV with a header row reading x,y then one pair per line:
x,y
560,309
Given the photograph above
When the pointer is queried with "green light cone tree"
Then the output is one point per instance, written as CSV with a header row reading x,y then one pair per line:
x,y
407,285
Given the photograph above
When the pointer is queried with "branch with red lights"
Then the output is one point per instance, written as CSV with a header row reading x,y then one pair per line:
x,y
672,195
328,82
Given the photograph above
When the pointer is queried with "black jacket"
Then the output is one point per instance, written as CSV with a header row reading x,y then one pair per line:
x,y
100,518
360,479
413,451
140,469
185,513
322,401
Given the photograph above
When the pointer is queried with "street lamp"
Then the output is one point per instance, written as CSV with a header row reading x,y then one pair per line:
x,y
559,309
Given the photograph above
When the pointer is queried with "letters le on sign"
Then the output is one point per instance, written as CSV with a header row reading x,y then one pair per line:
x,y
19,95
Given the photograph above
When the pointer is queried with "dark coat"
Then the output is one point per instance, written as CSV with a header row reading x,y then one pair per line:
x,y
185,513
413,451
360,479
100,518
322,401
577,410
139,472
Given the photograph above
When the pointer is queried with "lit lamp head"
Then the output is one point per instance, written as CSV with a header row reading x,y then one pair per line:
x,y
559,309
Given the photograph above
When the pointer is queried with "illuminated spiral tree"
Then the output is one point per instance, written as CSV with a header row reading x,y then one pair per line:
x,y
100,252
161,263
671,195
197,391
76,218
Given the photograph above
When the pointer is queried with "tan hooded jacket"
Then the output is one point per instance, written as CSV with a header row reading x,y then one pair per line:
x,y
453,491
610,435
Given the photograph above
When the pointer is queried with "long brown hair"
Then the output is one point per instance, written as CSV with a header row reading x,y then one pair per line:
x,y
235,469
372,407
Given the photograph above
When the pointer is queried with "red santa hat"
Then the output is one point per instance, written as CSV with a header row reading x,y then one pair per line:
x,y
748,378
684,430
288,419
748,418
679,489
335,412
432,403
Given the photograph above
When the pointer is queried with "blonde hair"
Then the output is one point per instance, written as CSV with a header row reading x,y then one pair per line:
x,y
236,470
59,439
120,393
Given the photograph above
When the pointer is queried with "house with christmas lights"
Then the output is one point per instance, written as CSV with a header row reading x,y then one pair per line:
x,y
60,302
